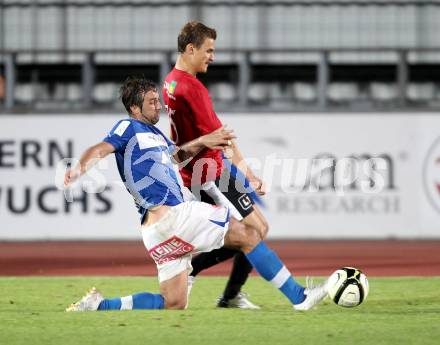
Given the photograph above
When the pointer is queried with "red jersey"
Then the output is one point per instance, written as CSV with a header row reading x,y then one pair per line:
x,y
192,115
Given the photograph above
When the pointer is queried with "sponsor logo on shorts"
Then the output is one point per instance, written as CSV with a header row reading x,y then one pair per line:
x,y
245,202
170,250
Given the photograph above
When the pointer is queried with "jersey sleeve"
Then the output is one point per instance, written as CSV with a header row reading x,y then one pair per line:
x,y
204,116
119,136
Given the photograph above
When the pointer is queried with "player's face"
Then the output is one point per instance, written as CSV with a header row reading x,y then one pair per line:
x,y
204,55
150,111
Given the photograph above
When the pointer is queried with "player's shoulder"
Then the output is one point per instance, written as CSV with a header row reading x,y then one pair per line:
x,y
195,82
120,133
179,82
121,126
129,127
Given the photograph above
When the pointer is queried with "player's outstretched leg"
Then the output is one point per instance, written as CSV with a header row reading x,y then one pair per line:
x,y
173,296
94,301
143,300
271,268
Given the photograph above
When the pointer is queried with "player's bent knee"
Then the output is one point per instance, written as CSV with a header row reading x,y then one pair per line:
x,y
174,291
253,237
236,236
250,239
175,304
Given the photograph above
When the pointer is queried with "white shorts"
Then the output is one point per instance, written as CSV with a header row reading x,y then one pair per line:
x,y
188,228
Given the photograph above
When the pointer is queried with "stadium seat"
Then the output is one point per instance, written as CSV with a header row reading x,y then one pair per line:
x,y
280,97
24,93
73,92
343,92
31,92
304,92
67,92
259,92
60,92
382,92
105,92
276,92
420,92
223,92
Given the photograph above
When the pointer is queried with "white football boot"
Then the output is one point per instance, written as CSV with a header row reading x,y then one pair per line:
x,y
90,302
315,294
240,301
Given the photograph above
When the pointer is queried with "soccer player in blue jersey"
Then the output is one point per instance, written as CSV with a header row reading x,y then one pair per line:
x,y
173,229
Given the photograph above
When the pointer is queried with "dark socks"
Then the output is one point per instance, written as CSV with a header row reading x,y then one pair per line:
x,y
240,273
207,260
240,269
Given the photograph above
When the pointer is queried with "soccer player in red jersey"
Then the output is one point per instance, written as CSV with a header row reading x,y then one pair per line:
x,y
192,115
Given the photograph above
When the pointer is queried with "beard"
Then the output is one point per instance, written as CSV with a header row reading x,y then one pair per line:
x,y
155,119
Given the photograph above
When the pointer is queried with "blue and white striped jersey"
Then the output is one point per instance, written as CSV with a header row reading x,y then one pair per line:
x,y
143,156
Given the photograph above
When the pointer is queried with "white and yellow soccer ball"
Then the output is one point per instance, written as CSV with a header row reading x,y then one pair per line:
x,y
348,287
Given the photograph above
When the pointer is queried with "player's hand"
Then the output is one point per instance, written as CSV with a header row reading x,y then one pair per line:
x,y
71,176
258,185
220,139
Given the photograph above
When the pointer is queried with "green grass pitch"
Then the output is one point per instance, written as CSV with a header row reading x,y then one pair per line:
x,y
398,311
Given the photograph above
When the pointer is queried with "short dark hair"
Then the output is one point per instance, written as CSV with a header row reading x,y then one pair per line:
x,y
133,90
194,32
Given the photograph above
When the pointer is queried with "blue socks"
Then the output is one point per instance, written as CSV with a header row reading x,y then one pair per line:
x,y
147,300
110,304
142,300
270,267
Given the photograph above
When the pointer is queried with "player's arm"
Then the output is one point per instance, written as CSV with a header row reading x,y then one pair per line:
x,y
237,159
88,159
219,139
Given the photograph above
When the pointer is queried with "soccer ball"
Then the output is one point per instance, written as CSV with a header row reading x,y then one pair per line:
x,y
348,287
